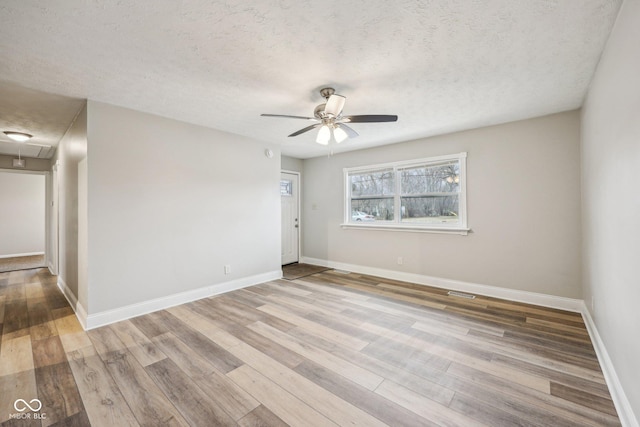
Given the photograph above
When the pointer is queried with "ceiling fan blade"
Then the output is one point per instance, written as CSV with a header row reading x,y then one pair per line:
x,y
370,118
348,130
307,129
288,117
334,105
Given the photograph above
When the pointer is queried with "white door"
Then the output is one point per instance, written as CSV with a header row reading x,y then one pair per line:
x,y
289,191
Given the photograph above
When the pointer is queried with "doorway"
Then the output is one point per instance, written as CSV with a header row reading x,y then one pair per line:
x,y
23,225
290,214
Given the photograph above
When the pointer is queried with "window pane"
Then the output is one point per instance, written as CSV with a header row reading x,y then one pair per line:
x,y
430,209
374,183
443,178
372,209
286,187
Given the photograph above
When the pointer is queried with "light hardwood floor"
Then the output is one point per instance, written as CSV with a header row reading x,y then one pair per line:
x,y
327,349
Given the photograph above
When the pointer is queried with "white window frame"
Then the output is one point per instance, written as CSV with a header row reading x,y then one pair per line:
x,y
396,225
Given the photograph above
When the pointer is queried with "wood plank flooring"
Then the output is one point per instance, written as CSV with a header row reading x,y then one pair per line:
x,y
328,349
297,270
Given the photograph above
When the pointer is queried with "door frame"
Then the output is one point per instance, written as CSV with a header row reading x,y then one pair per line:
x,y
298,209
53,204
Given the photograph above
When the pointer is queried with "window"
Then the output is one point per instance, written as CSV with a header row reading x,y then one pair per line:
x,y
286,187
424,195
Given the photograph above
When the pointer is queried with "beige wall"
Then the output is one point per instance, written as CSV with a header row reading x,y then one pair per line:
x,y
22,216
611,201
6,162
71,150
83,237
523,209
169,204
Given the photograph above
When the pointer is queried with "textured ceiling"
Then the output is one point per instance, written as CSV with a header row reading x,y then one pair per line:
x,y
440,65
43,115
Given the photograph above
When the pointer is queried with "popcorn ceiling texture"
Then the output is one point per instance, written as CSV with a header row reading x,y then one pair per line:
x,y
441,65
43,115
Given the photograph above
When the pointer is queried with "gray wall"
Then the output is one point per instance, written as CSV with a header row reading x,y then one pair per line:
x,y
22,216
291,164
169,204
523,209
611,201
71,150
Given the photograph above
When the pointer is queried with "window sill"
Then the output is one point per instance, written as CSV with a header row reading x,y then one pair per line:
x,y
407,228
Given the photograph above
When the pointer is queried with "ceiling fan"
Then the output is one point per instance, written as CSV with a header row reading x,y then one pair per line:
x,y
329,119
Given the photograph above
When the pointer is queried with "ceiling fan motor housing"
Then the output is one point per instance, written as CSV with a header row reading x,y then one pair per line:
x,y
327,92
319,111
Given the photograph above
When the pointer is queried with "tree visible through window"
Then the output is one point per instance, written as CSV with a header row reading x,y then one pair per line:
x,y
430,193
426,193
372,193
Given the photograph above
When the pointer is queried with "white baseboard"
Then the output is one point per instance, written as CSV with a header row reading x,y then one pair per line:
x,y
122,313
19,255
78,309
51,269
81,314
625,411
544,300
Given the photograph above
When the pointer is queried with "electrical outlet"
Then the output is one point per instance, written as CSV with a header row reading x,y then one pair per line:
x,y
400,261
227,269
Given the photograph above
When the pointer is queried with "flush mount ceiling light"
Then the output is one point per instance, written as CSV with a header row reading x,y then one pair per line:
x,y
21,139
18,136
329,119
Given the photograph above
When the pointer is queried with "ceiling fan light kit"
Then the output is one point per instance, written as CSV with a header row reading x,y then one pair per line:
x,y
324,135
329,119
339,134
